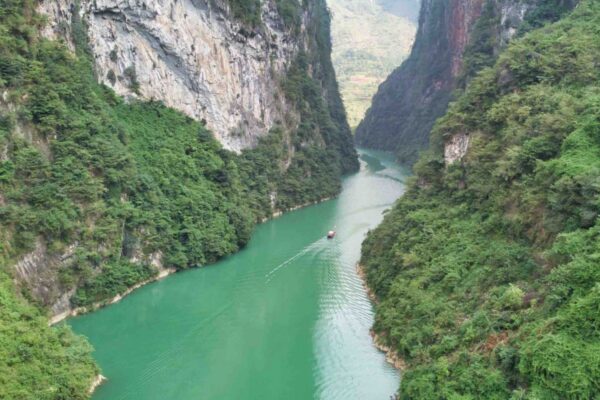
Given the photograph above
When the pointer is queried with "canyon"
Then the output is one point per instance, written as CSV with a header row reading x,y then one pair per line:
x,y
455,39
139,138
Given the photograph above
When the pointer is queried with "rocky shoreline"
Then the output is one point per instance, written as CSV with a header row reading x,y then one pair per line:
x,y
391,356
98,380
55,319
279,213
362,274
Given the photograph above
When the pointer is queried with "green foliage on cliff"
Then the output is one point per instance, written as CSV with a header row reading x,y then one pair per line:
x,y
115,279
36,361
486,270
486,38
111,186
417,93
249,11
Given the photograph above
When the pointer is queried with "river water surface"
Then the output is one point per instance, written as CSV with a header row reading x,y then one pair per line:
x,y
286,318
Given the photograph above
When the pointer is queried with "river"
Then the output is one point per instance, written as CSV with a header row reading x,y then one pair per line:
x,y
285,318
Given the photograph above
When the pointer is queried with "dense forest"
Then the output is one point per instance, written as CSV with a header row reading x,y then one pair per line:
x,y
486,271
81,168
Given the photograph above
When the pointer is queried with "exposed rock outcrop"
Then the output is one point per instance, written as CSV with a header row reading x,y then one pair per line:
x,y
198,57
39,271
190,54
456,38
456,148
98,380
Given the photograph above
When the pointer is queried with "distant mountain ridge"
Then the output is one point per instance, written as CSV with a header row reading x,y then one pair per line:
x,y
370,39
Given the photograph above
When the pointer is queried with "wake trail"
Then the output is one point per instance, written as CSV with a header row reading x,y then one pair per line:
x,y
290,260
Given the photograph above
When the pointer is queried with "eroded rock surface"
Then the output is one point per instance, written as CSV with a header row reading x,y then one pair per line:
x,y
191,55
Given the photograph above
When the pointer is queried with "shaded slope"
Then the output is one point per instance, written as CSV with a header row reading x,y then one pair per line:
x,y
455,40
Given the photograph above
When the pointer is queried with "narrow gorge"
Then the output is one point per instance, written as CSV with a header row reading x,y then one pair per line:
x,y
455,235
142,136
455,39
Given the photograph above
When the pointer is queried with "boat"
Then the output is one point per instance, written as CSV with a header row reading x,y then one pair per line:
x,y
330,234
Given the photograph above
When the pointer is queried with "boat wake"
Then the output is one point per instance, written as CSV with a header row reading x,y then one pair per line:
x,y
313,246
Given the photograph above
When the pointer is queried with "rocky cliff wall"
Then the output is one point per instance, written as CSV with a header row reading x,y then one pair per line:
x,y
407,103
192,55
241,79
455,40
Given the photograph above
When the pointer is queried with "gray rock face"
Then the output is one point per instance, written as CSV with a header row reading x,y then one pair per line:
x,y
191,55
410,100
455,148
39,271
512,15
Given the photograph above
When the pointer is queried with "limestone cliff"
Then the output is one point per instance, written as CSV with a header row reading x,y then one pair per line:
x,y
192,55
455,39
125,189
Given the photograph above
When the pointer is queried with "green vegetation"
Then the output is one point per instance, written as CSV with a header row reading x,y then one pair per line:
x,y
36,361
115,279
416,94
116,183
486,270
249,12
485,40
291,12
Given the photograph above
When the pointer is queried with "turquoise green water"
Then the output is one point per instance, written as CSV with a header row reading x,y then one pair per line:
x,y
286,318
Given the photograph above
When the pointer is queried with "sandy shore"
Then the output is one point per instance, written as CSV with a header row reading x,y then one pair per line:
x,y
82,310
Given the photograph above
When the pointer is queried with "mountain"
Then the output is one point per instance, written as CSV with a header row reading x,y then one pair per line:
x,y
451,34
486,270
370,38
138,137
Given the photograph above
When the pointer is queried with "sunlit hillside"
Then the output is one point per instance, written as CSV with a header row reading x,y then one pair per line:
x,y
370,39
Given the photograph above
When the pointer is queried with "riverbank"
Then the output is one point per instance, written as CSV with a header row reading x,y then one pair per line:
x,y
391,356
279,213
278,299
362,275
98,380
55,319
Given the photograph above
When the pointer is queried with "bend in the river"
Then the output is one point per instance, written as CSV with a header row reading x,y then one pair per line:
x,y
286,318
